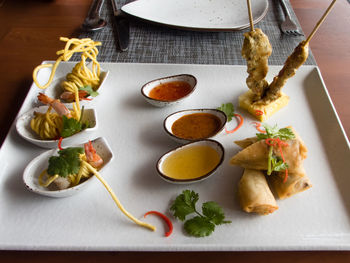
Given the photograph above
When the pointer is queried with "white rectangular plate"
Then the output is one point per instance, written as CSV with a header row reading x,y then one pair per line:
x,y
317,219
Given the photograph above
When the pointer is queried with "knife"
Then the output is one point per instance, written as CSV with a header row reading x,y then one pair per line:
x,y
122,28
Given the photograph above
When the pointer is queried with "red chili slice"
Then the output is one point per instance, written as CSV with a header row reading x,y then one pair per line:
x,y
59,143
165,218
238,126
259,112
257,126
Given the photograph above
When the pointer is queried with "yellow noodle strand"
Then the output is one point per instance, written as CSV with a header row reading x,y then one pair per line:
x,y
87,47
114,197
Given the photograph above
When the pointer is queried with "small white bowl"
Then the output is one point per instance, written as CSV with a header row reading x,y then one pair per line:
x,y
146,89
40,163
211,143
55,89
169,121
25,131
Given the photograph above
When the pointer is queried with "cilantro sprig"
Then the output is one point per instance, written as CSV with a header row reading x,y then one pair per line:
x,y
275,163
67,162
274,132
72,126
203,224
228,109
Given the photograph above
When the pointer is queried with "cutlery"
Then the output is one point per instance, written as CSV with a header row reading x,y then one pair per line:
x,y
93,21
288,26
122,29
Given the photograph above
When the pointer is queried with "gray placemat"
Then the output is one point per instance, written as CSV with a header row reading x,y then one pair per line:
x,y
151,43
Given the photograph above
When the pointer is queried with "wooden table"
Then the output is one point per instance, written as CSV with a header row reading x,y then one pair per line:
x,y
28,34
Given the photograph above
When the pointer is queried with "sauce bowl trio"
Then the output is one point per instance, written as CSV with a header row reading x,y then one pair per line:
x,y
200,156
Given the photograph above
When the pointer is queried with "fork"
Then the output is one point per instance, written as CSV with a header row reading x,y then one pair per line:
x,y
288,26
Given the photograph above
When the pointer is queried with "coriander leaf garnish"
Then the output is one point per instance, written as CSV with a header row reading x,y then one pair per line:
x,y
68,162
274,137
185,204
199,226
228,109
202,224
274,132
278,164
72,126
214,213
89,90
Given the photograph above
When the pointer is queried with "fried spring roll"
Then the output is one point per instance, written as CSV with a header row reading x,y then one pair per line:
x,y
254,193
256,155
295,183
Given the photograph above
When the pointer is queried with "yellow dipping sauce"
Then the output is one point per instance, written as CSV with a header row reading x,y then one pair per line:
x,y
191,162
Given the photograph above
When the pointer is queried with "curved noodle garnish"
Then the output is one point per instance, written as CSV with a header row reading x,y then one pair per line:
x,y
81,75
86,171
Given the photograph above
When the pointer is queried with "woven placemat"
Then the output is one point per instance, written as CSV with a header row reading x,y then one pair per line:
x,y
151,43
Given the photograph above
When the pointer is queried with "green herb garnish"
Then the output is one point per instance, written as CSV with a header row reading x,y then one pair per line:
x,y
89,90
202,224
228,109
67,162
275,163
274,132
72,126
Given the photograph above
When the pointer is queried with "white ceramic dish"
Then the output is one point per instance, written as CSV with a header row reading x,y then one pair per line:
x,y
169,121
54,90
25,131
146,89
40,163
218,15
317,219
211,143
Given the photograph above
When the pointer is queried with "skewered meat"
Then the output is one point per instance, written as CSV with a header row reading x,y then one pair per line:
x,y
256,50
293,62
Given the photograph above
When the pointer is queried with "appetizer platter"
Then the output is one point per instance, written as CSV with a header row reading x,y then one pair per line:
x,y
182,135
314,219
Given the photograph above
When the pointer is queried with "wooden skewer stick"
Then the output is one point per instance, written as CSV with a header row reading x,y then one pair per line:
x,y
319,22
250,16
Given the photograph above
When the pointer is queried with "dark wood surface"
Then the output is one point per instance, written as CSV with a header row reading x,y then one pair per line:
x,y
29,31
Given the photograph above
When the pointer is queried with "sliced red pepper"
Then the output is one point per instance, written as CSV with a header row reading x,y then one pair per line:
x,y
259,112
257,126
59,143
165,218
239,124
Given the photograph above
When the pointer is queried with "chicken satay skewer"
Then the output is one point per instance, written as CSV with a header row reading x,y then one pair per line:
x,y
293,62
256,50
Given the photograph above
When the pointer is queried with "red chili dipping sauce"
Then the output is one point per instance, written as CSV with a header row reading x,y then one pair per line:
x,y
170,91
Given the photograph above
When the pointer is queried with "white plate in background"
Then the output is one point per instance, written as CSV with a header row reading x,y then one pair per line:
x,y
209,15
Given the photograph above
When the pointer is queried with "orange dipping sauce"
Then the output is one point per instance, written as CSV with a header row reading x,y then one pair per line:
x,y
170,91
196,126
